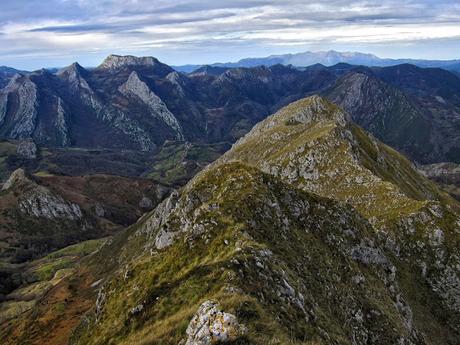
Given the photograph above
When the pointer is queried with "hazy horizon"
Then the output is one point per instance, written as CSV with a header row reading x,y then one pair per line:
x,y
55,33
209,62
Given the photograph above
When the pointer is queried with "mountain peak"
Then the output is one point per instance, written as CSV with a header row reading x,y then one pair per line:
x,y
74,68
310,141
209,70
118,61
307,110
41,71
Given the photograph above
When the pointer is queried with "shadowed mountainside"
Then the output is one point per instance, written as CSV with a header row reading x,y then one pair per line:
x,y
140,103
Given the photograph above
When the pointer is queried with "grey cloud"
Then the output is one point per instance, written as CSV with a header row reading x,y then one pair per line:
x,y
130,26
42,26
77,28
170,12
195,6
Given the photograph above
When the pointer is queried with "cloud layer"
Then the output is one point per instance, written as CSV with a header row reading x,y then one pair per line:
x,y
37,33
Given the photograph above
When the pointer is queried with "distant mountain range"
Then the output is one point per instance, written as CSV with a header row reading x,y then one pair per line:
x,y
134,103
327,58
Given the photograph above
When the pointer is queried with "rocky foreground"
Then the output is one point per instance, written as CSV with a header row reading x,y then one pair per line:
x,y
308,231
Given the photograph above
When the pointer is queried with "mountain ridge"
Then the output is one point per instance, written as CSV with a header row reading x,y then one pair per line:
x,y
327,58
287,254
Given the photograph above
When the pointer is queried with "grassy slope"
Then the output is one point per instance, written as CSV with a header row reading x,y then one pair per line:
x,y
42,275
224,264
339,160
336,159
243,235
176,163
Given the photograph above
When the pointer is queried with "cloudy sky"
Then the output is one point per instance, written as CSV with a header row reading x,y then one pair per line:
x,y
38,33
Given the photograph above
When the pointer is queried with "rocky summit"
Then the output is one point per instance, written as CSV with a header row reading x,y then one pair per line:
x,y
308,231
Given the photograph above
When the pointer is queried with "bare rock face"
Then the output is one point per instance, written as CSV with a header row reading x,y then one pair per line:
x,y
61,123
159,219
135,86
211,325
3,106
27,149
74,76
178,81
40,202
116,61
100,302
25,116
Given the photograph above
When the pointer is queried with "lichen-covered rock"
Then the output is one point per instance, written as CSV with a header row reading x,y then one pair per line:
x,y
161,213
211,325
100,302
369,255
161,227
17,177
137,309
447,285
